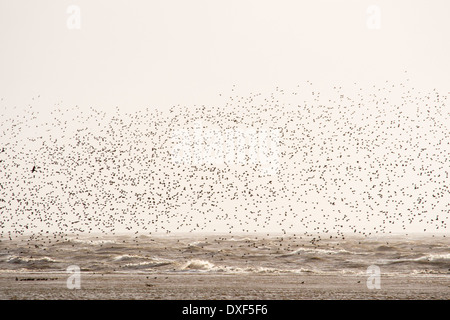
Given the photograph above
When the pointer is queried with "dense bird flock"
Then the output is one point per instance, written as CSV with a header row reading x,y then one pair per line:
x,y
364,162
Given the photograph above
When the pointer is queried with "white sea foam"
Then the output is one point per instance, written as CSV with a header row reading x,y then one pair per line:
x,y
198,265
19,260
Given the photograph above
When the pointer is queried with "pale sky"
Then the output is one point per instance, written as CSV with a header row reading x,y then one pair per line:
x,y
160,53
156,54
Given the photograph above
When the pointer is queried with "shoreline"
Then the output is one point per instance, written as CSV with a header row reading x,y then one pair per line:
x,y
214,286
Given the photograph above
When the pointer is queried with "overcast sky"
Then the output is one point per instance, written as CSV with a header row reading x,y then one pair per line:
x,y
135,54
158,53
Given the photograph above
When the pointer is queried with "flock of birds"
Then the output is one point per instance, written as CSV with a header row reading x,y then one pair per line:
x,y
367,162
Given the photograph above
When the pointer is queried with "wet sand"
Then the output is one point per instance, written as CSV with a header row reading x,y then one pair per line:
x,y
220,286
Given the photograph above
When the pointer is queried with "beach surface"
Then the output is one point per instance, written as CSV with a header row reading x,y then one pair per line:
x,y
220,286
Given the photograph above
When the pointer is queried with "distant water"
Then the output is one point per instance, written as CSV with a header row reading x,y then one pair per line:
x,y
215,254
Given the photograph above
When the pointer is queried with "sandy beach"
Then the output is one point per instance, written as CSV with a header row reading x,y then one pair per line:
x,y
220,286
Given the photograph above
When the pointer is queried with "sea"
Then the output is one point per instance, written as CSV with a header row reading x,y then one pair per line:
x,y
226,254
